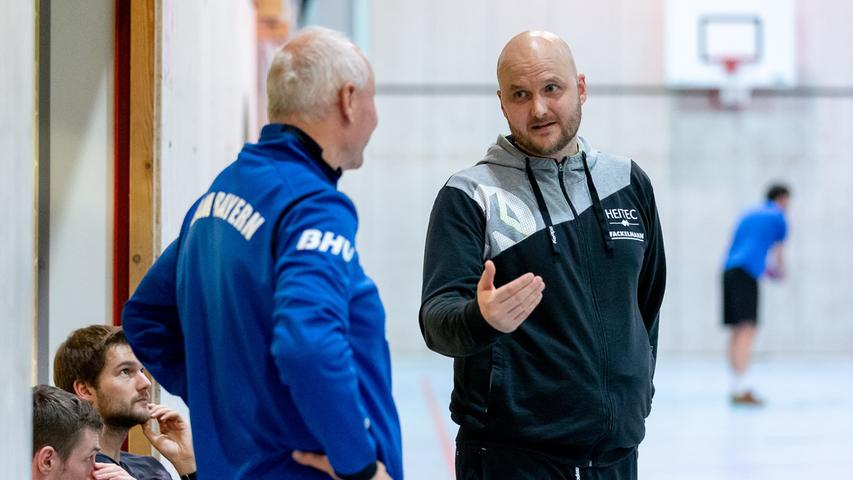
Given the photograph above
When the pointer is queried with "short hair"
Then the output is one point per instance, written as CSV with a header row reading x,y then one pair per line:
x,y
58,419
307,73
778,190
83,354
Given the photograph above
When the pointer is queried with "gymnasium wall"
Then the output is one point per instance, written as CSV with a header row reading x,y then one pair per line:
x,y
17,272
81,168
207,98
435,70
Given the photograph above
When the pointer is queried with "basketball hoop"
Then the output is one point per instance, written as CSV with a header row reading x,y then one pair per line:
x,y
734,92
730,64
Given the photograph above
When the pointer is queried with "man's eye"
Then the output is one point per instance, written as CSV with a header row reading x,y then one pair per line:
x,y
520,94
125,371
551,88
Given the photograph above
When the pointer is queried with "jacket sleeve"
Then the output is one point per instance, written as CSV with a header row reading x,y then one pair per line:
x,y
152,325
653,274
315,260
450,317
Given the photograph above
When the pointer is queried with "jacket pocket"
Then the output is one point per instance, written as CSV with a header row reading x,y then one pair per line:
x,y
495,377
651,393
473,382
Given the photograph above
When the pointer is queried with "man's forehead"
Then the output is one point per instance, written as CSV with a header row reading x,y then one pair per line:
x,y
535,51
121,354
90,441
95,439
534,71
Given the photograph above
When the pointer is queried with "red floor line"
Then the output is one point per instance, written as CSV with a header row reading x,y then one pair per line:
x,y
440,426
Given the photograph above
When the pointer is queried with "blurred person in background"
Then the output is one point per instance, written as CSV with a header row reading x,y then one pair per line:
x,y
759,235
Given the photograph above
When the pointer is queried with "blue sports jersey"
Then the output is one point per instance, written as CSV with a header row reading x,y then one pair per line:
x,y
758,229
261,318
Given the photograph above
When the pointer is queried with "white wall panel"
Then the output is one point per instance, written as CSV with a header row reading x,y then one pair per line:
x,y
81,167
17,241
207,98
446,41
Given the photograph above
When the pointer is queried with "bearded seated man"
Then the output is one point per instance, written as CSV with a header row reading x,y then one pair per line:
x,y
97,364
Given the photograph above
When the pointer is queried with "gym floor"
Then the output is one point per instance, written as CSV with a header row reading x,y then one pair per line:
x,y
805,429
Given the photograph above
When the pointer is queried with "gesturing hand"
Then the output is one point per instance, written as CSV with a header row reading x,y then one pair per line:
x,y
507,307
173,438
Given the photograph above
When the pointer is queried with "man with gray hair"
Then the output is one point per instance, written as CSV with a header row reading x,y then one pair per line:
x,y
259,315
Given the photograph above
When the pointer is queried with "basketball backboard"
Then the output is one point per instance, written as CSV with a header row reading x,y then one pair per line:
x,y
707,42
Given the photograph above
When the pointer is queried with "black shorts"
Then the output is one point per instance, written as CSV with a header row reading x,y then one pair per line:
x,y
740,297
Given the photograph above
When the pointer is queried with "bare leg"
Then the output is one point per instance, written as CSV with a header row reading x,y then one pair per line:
x,y
740,347
740,352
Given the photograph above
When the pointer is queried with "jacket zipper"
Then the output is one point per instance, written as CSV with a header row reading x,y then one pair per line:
x,y
491,380
608,407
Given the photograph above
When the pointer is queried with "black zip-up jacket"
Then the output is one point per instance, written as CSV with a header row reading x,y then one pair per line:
x,y
574,381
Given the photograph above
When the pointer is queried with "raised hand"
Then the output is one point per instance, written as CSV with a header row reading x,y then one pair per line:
x,y
507,307
173,438
110,471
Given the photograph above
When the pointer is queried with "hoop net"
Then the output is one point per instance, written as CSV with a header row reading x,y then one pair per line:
x,y
734,92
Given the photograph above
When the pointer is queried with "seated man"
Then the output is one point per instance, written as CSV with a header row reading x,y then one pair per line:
x,y
65,435
96,364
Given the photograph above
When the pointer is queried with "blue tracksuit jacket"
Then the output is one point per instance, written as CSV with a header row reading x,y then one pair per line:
x,y
260,317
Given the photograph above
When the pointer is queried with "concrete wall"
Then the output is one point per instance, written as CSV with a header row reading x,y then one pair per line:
x,y
706,164
81,167
17,235
207,102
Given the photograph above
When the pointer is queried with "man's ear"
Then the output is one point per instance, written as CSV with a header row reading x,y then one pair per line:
x,y
501,101
582,87
346,97
84,390
46,460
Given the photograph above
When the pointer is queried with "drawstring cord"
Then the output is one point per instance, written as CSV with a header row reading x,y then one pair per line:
x,y
597,209
596,206
543,208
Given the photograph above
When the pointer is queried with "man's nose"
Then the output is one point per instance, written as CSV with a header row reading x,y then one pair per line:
x,y
538,106
142,382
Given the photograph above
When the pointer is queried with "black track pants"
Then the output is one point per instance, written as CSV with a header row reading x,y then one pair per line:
x,y
474,462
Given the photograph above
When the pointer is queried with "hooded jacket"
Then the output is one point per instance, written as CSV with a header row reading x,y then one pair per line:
x,y
574,381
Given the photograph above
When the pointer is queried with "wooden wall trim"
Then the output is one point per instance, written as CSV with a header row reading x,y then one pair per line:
x,y
143,222
143,204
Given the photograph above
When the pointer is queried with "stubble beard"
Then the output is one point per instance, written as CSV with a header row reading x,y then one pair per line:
x,y
567,133
126,417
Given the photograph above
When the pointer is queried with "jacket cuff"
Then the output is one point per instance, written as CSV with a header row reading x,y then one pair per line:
x,y
364,474
480,328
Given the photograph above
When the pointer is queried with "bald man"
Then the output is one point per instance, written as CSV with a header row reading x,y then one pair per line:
x,y
544,274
